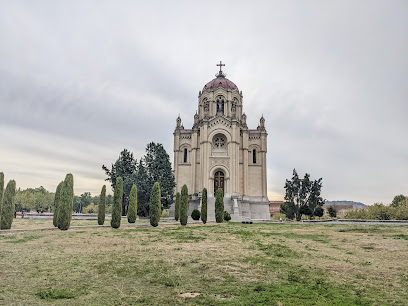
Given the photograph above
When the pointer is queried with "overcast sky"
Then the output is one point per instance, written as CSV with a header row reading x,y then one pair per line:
x,y
81,80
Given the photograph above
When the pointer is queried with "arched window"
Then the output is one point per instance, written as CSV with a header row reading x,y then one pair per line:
x,y
185,155
254,156
220,105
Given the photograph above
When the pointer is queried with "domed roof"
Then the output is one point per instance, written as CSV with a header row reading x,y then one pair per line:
x,y
220,81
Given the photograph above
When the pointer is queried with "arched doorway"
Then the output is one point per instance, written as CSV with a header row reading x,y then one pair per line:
x,y
219,181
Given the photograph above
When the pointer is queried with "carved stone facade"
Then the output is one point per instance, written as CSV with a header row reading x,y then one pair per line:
x,y
220,151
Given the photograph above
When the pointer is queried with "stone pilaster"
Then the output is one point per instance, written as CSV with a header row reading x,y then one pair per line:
x,y
245,159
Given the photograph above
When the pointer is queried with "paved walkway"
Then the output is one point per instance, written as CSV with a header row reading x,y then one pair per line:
x,y
198,223
80,227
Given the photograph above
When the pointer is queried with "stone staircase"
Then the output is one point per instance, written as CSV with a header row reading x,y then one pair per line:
x,y
228,206
210,209
237,214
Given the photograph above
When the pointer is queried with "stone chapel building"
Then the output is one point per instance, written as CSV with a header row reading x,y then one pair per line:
x,y
220,151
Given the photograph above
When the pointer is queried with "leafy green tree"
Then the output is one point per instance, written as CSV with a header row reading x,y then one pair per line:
x,y
132,210
319,212
399,199
305,210
227,216
184,205
204,206
101,206
38,199
90,209
7,211
401,211
57,202
159,170
43,199
109,200
165,213
76,206
195,214
155,205
177,207
1,190
117,203
379,211
64,209
219,206
125,168
289,209
332,211
304,194
84,200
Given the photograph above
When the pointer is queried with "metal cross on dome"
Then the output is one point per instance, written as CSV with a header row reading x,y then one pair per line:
x,y
220,65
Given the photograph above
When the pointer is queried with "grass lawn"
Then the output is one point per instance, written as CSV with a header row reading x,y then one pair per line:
x,y
228,264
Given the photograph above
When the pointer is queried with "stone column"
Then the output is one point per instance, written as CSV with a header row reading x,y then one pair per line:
x,y
176,157
245,161
235,158
264,135
193,161
205,156
232,155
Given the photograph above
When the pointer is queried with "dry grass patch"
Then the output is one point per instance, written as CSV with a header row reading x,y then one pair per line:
x,y
229,264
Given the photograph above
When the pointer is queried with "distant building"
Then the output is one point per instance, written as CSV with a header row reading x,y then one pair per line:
x,y
274,207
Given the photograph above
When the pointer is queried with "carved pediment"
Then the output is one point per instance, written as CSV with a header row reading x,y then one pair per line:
x,y
220,120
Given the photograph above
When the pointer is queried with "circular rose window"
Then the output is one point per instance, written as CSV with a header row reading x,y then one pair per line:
x,y
219,142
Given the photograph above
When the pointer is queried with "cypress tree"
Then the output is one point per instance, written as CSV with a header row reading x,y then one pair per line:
x,y
1,190
155,205
117,203
177,207
7,212
57,200
132,210
66,200
184,205
101,206
204,206
219,206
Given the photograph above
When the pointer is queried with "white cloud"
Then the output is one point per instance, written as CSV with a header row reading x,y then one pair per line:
x,y
81,81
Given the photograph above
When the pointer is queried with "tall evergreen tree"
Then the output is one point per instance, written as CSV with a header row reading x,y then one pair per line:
x,y
124,167
155,205
117,203
177,207
144,187
204,206
154,167
184,205
57,201
1,190
219,205
64,209
303,195
159,170
132,210
7,213
315,201
101,206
